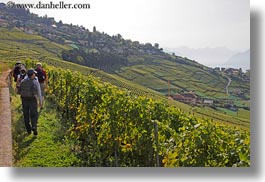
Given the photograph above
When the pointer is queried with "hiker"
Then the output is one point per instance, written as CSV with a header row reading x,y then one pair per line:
x,y
31,98
16,70
42,77
20,77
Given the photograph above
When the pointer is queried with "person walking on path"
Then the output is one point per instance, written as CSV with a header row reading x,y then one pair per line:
x,y
20,77
16,70
42,77
31,98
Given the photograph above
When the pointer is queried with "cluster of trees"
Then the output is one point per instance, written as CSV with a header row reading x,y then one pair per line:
x,y
95,59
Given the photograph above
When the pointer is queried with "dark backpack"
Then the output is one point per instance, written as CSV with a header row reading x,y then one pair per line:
x,y
27,88
19,82
40,75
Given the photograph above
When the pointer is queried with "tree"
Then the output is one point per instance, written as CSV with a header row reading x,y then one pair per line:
x,y
60,23
119,36
148,46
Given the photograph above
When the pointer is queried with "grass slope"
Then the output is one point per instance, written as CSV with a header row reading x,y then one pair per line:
x,y
47,149
155,72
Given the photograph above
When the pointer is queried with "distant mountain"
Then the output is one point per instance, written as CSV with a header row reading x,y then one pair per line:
x,y
240,60
207,56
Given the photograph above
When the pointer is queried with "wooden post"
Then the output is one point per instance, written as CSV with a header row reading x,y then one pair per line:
x,y
156,140
168,88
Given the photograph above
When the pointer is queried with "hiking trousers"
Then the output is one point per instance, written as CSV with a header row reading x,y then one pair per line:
x,y
30,112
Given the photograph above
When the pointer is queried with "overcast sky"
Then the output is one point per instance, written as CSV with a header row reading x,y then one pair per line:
x,y
171,23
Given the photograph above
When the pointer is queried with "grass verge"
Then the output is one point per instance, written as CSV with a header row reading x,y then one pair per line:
x,y
48,148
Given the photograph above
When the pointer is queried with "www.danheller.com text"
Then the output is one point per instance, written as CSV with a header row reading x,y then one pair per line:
x,y
50,5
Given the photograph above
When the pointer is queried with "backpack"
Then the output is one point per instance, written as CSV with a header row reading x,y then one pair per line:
x,y
27,88
19,82
40,75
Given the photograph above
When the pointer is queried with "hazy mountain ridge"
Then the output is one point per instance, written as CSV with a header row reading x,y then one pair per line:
x,y
240,60
213,57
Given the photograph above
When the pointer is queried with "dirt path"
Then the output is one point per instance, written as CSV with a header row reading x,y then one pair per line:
x,y
228,84
5,122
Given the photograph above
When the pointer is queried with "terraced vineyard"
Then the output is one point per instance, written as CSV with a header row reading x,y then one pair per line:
x,y
156,74
138,79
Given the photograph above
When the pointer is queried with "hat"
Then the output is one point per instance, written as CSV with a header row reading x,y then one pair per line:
x,y
31,72
18,62
39,63
22,67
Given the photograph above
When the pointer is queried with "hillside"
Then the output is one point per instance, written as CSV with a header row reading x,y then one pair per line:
x,y
116,55
119,108
142,69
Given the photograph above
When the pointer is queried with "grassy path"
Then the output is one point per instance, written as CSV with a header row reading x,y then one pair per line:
x,y
47,149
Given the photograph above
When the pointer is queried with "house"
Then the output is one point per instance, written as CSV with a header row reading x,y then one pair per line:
x,y
29,31
188,97
68,42
225,101
207,101
105,49
83,42
2,20
235,72
119,50
3,23
231,107
217,69
178,97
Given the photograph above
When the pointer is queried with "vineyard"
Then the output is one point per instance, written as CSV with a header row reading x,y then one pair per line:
x,y
110,108
107,126
17,45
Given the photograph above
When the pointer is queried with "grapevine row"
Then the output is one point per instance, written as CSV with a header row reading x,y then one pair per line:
x,y
110,127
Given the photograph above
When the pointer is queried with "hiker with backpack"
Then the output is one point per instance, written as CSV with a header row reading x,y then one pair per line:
x,y
20,77
16,70
42,77
31,98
